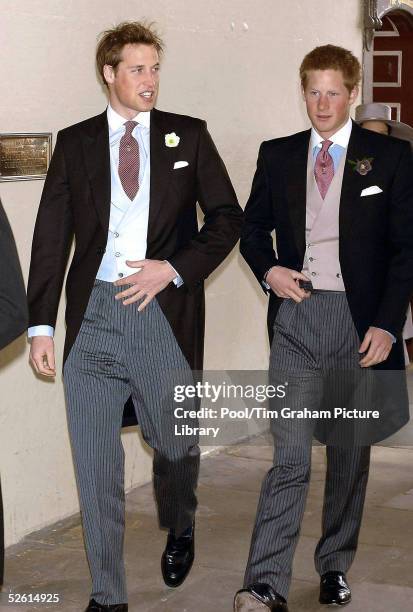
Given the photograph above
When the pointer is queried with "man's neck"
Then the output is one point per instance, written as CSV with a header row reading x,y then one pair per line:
x,y
127,113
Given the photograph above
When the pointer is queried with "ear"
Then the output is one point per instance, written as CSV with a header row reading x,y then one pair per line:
x,y
303,93
108,73
353,95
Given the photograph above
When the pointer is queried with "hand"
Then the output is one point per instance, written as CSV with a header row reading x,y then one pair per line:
x,y
153,276
284,283
42,355
379,344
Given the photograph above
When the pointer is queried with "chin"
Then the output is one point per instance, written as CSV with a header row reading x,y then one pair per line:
x,y
325,127
146,106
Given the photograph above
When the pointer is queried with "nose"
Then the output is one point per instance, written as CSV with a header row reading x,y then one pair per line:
x,y
150,79
323,103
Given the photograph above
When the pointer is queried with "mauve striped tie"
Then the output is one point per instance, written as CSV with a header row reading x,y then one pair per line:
x,y
129,161
324,168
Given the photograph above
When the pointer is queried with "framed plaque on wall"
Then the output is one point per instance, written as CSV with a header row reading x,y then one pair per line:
x,y
24,156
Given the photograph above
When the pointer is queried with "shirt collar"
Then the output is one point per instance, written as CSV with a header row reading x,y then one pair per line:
x,y
116,121
340,138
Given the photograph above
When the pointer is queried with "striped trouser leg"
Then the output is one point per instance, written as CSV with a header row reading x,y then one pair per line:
x,y
151,347
311,340
347,461
96,388
344,495
285,487
119,352
279,515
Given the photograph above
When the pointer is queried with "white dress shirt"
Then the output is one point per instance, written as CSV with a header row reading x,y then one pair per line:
x,y
128,222
340,142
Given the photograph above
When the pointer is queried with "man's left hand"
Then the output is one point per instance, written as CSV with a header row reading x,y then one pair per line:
x,y
150,279
378,344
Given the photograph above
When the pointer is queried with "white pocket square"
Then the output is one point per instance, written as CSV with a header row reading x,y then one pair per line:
x,y
180,164
371,191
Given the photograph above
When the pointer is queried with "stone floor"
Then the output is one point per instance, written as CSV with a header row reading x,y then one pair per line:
x,y
53,561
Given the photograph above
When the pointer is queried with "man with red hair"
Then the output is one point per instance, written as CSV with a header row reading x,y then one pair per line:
x,y
340,200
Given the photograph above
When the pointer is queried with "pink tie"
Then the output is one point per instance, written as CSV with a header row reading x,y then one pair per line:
x,y
324,168
129,161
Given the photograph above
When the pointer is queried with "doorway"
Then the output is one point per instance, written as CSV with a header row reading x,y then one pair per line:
x,y
393,65
388,65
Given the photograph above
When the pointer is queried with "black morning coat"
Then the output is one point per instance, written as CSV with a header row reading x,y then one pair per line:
x,y
375,244
76,203
13,314
376,231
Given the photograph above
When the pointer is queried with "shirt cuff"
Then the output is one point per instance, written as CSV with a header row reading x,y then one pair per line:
x,y
264,281
40,330
178,280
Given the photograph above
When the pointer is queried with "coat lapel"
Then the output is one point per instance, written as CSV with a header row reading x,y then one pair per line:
x,y
296,182
162,159
97,160
353,182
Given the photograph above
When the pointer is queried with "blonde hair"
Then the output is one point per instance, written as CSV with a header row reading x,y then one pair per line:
x,y
111,43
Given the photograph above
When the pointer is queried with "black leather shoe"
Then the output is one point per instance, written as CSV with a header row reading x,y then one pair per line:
x,y
94,606
334,589
178,557
257,597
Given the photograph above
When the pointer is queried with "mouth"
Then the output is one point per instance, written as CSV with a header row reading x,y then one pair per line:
x,y
323,117
147,95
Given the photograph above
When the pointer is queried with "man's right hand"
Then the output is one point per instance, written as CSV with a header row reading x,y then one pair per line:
x,y
284,283
42,355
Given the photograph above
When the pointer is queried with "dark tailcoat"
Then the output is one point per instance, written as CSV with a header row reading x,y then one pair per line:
x,y
376,231
76,202
13,303
13,313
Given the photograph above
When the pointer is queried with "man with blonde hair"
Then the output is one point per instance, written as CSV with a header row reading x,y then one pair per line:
x,y
125,184
340,200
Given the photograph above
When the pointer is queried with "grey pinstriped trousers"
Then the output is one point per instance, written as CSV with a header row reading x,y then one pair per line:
x,y
311,339
119,352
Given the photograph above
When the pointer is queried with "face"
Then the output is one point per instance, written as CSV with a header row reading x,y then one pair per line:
x,y
133,86
376,126
328,100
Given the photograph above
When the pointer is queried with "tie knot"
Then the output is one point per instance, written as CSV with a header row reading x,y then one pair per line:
x,y
325,145
129,126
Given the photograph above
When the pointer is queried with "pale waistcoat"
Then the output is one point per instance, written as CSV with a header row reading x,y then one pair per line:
x,y
128,228
321,260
